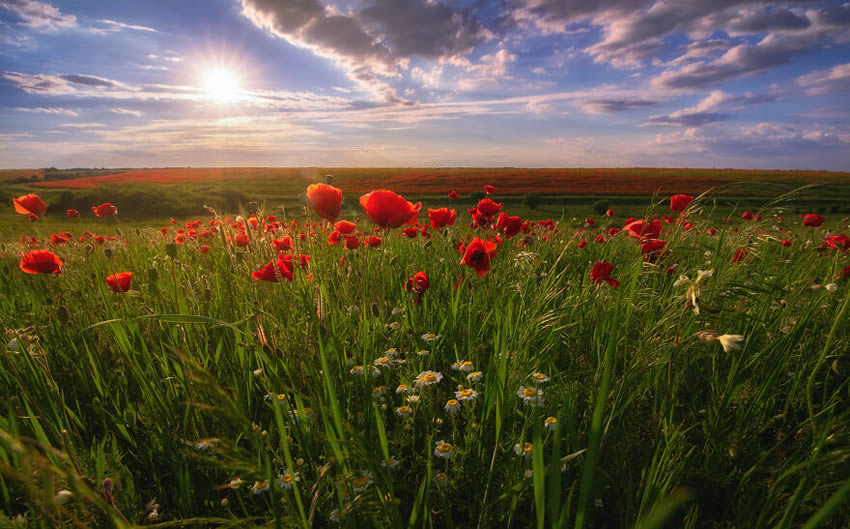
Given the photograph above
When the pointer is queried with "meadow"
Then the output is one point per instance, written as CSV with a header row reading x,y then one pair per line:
x,y
679,363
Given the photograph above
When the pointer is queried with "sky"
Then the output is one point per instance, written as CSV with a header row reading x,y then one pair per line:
x,y
413,83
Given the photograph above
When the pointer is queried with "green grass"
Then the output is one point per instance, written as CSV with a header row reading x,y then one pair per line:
x,y
109,394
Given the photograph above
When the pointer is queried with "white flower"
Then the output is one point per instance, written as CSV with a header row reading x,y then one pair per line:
x,y
384,361
831,287
442,479
430,337
423,352
378,392
286,479
259,487
730,342
397,310
551,423
530,396
444,450
404,388
361,482
466,394
463,365
391,352
475,376
412,399
527,474
523,450
426,378
452,406
334,516
391,462
394,326
356,370
63,496
205,444
539,378
404,411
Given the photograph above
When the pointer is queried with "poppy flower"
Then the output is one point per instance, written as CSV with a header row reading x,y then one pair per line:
x,y
275,270
351,242
417,284
510,226
609,213
747,215
478,254
411,232
41,262
652,249
453,195
204,249
333,238
303,259
326,200
282,245
72,213
57,239
120,282
242,240
582,244
345,226
441,217
643,229
614,231
680,202
488,208
105,210
812,220
601,271
786,243
388,209
373,241
838,242
30,204
489,190
32,217
740,254
844,273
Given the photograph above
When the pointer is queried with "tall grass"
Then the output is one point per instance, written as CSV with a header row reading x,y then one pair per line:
x,y
198,388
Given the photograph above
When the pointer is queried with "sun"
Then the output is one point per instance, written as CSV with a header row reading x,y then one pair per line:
x,y
222,86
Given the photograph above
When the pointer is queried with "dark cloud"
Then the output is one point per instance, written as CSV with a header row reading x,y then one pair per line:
x,y
767,20
612,105
689,119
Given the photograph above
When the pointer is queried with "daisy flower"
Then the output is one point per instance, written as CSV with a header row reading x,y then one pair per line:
x,y
551,423
205,444
475,376
378,392
397,310
444,450
404,411
524,450
423,352
466,394
442,479
426,378
383,361
539,378
452,406
430,337
286,479
391,352
375,371
260,487
356,370
394,326
391,462
412,399
361,482
530,396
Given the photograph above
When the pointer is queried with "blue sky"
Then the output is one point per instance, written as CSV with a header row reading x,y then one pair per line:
x,y
535,83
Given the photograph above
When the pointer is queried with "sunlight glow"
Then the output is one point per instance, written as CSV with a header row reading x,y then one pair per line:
x,y
222,85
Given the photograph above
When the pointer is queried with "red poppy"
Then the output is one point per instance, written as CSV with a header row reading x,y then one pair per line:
x,y
740,254
30,204
72,213
812,220
680,202
275,270
488,208
838,242
510,226
652,249
643,229
303,260
99,239
105,210
418,284
32,217
57,239
345,226
441,217
478,255
601,271
242,240
41,262
333,238
711,231
282,245
411,231
120,282
844,273
373,241
388,209
453,195
747,215
489,190
786,243
589,221
326,200
351,242
582,244
614,231
609,213
599,238
204,249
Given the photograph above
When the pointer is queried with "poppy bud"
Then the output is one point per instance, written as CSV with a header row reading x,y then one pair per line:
x,y
171,250
108,252
153,274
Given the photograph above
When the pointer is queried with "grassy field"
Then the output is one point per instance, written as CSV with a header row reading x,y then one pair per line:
x,y
203,397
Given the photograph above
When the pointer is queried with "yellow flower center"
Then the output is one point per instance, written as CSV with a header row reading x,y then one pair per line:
x,y
404,409
526,448
529,392
361,481
466,393
539,376
429,377
286,478
551,420
467,363
281,396
445,448
452,402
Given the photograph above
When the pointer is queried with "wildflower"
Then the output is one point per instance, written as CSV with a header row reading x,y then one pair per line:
x,y
397,310
41,262
489,189
326,200
442,479
356,370
539,378
478,255
452,406
423,353
260,487
334,515
601,271
729,342
831,287
378,392
375,372
276,270
404,388
388,209
475,376
72,213
205,444
361,482
280,398
394,326
120,282
551,423
444,450
426,378
412,399
105,210
680,202
383,361
524,450
430,337
740,254
466,394
391,352
692,295
812,220
390,463
530,396
417,284
404,410
527,474
30,204
235,483
286,480
441,217
63,496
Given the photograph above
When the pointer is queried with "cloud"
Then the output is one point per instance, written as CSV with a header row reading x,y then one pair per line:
x,y
491,69
831,80
39,15
50,110
767,20
611,105
118,110
375,43
118,26
717,106
89,125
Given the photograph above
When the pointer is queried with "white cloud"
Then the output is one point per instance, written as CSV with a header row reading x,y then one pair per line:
x,y
119,110
50,110
835,79
39,15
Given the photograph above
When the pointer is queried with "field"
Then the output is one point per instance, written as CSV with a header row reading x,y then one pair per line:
x,y
699,381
